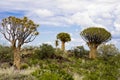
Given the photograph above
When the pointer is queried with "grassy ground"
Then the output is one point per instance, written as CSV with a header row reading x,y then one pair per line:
x,y
79,69
45,64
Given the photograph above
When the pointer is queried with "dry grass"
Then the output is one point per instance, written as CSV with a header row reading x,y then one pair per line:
x,y
11,70
77,76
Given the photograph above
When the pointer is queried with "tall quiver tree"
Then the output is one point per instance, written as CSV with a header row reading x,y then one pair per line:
x,y
94,36
18,31
63,37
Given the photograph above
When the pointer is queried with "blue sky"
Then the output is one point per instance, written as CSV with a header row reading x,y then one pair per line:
x,y
70,16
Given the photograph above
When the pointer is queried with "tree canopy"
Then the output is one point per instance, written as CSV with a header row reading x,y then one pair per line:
x,y
65,37
18,31
95,35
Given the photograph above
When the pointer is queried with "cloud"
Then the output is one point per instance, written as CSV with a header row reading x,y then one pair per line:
x,y
83,19
78,42
48,43
42,13
116,42
117,26
67,13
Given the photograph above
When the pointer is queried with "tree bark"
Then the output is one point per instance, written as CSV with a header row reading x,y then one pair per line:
x,y
93,51
63,46
16,53
17,58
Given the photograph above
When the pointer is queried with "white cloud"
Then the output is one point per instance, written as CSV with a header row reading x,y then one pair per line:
x,y
62,13
78,40
43,13
69,5
82,19
116,42
117,26
66,12
48,43
50,23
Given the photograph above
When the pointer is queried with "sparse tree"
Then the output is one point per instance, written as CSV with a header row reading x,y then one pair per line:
x,y
18,31
106,50
95,36
63,37
56,43
79,51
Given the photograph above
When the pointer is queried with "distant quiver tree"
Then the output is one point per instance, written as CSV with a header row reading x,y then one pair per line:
x,y
63,37
56,43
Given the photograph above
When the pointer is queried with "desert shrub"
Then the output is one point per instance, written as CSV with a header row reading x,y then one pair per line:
x,y
59,52
52,72
48,76
107,50
33,61
16,77
115,61
6,54
5,65
30,59
99,70
44,51
79,52
24,66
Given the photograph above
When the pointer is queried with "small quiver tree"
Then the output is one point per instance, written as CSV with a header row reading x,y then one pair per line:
x,y
56,43
94,36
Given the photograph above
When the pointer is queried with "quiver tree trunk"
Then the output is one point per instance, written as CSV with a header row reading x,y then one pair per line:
x,y
17,58
16,53
93,50
63,46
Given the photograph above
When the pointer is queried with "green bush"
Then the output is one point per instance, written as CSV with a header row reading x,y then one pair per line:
x,y
99,70
6,54
59,52
52,72
107,50
79,52
45,51
33,61
24,66
48,76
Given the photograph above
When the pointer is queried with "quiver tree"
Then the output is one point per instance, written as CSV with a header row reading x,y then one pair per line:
x,y
63,37
56,43
95,36
18,31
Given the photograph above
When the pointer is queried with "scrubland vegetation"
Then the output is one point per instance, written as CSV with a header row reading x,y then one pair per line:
x,y
45,62
48,63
